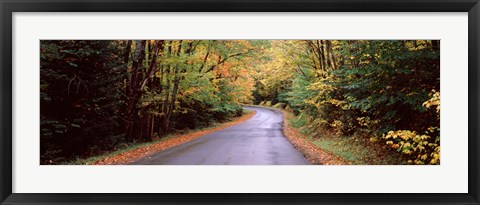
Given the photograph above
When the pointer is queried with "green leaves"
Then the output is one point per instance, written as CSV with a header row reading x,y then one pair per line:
x,y
416,148
376,86
352,87
80,97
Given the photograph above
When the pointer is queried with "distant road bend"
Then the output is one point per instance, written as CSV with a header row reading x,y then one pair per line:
x,y
257,141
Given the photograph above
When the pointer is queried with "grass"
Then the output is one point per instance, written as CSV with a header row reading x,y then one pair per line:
x,y
125,148
358,150
313,153
133,146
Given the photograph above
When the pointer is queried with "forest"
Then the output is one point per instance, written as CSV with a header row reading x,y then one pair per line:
x,y
98,96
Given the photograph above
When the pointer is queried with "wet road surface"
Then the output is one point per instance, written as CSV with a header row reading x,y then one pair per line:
x,y
257,141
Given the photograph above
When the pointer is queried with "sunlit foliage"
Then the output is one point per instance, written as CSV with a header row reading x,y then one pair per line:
x,y
362,88
98,96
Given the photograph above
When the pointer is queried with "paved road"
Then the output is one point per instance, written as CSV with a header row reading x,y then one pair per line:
x,y
257,141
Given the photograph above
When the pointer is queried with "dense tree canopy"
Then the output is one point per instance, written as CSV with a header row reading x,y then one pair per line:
x,y
365,88
96,95
99,95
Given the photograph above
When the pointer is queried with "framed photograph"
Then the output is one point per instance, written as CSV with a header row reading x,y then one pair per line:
x,y
239,102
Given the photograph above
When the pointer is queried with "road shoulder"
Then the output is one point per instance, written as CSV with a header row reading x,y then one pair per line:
x,y
313,153
160,145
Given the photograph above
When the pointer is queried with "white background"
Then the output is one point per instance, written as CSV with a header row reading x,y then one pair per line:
x,y
450,176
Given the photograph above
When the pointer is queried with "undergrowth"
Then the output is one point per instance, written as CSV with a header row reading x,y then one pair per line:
x,y
355,149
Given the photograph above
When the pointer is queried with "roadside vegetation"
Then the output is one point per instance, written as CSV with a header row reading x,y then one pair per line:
x,y
331,149
98,96
131,153
369,102
364,101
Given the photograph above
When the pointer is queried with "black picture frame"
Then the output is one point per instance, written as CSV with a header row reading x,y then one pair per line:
x,y
7,8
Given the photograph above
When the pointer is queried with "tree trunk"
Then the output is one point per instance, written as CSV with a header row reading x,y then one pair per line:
x,y
322,50
332,55
170,105
133,94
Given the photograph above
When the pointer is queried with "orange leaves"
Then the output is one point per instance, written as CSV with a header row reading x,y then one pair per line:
x,y
313,153
144,151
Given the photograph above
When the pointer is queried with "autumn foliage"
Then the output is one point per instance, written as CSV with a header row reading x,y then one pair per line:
x,y
98,96
376,90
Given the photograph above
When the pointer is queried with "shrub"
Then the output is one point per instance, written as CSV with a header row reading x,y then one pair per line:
x,y
419,148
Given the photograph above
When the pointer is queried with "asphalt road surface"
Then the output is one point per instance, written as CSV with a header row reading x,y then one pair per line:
x,y
256,141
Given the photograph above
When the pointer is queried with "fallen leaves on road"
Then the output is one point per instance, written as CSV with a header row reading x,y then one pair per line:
x,y
313,153
135,154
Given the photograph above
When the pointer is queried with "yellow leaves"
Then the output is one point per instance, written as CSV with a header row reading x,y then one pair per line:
x,y
338,103
406,151
435,157
418,162
412,93
321,86
403,134
336,123
417,138
365,121
432,129
424,137
434,101
410,143
191,90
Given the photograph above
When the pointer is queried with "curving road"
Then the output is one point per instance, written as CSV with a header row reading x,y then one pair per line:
x,y
257,141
